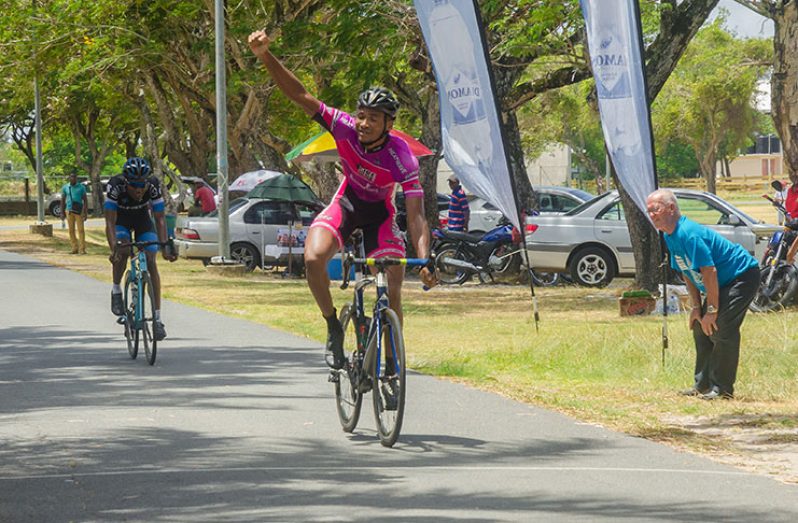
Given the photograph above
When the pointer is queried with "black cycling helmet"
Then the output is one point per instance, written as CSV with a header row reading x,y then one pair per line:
x,y
136,169
380,99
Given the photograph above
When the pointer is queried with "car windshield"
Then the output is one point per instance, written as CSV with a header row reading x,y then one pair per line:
x,y
741,213
234,206
582,195
583,206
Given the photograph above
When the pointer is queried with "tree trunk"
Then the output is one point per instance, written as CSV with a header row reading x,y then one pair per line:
x,y
784,88
645,241
428,166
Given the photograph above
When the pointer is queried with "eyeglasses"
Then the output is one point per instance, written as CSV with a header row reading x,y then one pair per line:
x,y
137,185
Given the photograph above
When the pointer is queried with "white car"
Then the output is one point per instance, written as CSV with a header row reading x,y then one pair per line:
x,y
484,216
259,233
592,242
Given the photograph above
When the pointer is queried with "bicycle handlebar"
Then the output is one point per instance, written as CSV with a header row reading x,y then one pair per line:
x,y
348,259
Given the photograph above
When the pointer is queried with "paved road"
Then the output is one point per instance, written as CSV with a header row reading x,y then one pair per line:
x,y
236,423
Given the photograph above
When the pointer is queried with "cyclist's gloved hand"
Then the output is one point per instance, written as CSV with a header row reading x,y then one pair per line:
x,y
116,255
169,251
428,277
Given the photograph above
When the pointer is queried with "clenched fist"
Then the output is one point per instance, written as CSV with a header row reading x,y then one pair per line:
x,y
259,43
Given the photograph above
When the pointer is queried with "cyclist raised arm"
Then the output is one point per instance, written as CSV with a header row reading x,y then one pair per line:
x,y
373,162
133,199
285,80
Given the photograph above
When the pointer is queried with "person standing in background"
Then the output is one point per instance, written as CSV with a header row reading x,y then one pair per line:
x,y
459,212
75,207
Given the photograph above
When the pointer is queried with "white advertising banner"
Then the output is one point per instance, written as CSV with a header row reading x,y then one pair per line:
x,y
472,139
615,53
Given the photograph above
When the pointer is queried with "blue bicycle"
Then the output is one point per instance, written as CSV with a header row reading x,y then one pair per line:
x,y
139,296
375,351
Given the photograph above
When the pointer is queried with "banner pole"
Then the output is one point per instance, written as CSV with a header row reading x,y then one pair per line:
x,y
518,208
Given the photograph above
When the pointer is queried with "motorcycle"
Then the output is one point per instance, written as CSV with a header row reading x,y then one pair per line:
x,y
779,283
490,256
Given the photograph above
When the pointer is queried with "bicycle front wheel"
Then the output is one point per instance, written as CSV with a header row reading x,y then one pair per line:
x,y
389,377
148,318
130,329
348,398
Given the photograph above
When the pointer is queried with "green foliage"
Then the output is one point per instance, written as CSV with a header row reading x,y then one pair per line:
x,y
708,101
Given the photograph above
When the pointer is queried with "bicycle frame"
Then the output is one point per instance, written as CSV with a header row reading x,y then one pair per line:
x,y
380,305
138,267
365,338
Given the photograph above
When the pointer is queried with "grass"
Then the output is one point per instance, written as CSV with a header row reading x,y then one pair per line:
x,y
585,360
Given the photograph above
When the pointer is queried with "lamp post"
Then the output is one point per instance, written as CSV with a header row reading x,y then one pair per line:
x,y
39,161
221,133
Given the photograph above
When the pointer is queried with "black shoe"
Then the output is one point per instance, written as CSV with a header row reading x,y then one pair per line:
x,y
389,394
692,391
334,349
158,331
716,393
117,304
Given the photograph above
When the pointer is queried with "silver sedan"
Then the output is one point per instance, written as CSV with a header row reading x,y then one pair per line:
x,y
592,242
259,233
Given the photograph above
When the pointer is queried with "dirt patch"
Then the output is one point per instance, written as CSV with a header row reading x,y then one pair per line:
x,y
766,444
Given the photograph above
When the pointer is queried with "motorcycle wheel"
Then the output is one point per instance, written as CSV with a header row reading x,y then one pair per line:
x,y
509,267
446,273
545,279
781,291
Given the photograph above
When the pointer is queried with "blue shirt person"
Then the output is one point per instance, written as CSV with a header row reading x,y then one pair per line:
x,y
75,207
728,277
459,212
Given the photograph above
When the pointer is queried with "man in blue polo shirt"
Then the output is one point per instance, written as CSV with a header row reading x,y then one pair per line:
x,y
459,212
728,277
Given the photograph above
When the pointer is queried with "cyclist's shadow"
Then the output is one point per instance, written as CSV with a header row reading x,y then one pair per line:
x,y
420,443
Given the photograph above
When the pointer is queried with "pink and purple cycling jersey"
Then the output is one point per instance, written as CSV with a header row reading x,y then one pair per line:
x,y
365,197
371,175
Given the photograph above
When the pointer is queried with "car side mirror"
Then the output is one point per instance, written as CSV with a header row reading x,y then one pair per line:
x,y
776,184
735,220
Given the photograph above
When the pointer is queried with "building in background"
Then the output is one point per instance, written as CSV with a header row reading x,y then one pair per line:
x,y
552,167
763,159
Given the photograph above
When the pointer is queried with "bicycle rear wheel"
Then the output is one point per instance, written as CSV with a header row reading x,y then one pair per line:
x,y
148,318
348,399
130,329
388,393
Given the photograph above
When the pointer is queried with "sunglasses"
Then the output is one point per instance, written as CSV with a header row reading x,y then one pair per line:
x,y
137,185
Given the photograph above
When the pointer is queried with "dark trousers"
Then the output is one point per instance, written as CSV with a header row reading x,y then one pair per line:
x,y
716,356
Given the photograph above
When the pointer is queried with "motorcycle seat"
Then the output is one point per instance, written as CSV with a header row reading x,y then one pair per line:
x,y
462,236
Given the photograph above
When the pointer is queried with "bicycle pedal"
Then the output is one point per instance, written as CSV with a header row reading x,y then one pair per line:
x,y
121,320
333,378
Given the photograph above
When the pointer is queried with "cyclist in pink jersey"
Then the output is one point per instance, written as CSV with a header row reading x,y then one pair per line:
x,y
373,163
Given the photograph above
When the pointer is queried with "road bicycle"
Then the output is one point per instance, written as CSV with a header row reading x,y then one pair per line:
x,y
139,297
374,350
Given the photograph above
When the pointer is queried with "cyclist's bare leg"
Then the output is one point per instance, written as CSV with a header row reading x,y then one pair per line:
x,y
155,277
119,270
320,247
396,275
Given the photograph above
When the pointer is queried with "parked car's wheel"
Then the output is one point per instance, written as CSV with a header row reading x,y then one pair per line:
x,y
592,267
246,254
55,208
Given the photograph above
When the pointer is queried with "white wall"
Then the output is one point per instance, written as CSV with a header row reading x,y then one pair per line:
x,y
552,167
